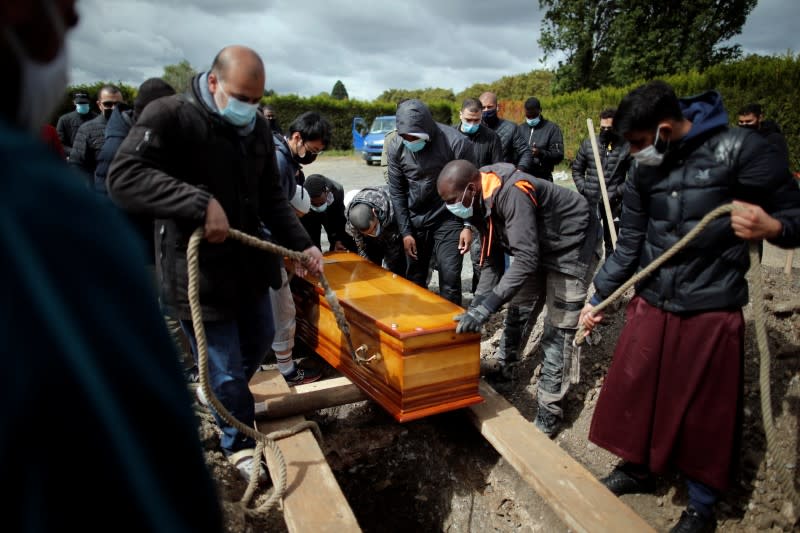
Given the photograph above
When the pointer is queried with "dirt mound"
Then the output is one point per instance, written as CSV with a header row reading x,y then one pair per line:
x,y
439,474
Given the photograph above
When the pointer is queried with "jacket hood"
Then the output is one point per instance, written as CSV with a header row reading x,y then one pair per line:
x,y
769,126
705,111
414,116
199,91
119,124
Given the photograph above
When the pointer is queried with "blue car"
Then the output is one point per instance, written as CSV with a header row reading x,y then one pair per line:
x,y
370,142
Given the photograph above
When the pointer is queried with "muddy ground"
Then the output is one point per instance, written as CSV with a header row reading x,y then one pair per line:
x,y
439,474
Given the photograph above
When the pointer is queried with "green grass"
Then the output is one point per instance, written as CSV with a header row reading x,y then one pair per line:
x,y
341,153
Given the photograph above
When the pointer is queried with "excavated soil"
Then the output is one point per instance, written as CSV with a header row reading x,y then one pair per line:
x,y
439,474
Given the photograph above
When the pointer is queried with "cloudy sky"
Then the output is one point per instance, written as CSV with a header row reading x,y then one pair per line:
x,y
370,45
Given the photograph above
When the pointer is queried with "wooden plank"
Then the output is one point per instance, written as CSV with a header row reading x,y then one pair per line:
x,y
275,402
313,502
580,500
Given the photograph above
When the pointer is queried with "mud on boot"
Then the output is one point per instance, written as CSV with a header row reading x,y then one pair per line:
x,y
547,422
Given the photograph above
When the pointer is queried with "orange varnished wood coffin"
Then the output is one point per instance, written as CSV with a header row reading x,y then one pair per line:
x,y
423,367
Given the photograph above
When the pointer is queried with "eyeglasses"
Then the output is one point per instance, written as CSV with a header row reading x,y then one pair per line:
x,y
109,104
311,150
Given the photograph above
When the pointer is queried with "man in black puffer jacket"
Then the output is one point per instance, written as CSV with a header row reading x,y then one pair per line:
x,y
673,391
206,159
615,159
416,156
92,134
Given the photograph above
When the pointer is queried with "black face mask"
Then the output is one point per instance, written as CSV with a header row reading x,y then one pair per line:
x,y
306,159
490,117
749,126
107,112
607,136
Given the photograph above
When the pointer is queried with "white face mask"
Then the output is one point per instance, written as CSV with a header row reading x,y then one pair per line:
x,y
650,156
42,85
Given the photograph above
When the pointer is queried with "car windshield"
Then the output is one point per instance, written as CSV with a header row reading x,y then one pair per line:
x,y
382,125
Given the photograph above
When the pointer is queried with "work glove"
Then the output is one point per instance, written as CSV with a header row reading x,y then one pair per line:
x,y
472,320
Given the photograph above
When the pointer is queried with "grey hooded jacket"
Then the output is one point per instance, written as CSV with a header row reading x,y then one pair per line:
x,y
413,175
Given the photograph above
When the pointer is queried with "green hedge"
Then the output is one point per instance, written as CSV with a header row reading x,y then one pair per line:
x,y
772,81
340,113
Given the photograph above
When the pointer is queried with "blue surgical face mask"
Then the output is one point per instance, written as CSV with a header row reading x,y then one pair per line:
x,y
238,113
82,109
533,121
459,209
415,146
468,128
323,207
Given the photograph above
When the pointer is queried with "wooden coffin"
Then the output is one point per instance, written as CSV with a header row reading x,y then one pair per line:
x,y
418,365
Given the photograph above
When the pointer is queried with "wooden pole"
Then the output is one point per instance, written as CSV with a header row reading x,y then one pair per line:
x,y
601,178
787,267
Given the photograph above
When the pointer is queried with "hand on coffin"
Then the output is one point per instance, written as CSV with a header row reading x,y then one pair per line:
x,y
471,321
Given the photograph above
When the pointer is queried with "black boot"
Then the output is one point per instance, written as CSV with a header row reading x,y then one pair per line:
x,y
692,521
629,479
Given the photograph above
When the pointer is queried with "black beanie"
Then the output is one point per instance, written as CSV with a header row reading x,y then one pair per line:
x,y
150,90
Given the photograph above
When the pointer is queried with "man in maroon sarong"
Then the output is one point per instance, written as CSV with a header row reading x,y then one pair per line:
x,y
673,393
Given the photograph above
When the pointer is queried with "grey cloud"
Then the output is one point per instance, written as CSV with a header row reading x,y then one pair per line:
x,y
370,46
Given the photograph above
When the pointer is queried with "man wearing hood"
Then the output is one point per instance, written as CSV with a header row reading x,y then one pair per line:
x,y
416,156
673,392
371,223
205,159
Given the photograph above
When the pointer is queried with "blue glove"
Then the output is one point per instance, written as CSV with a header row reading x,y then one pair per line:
x,y
471,321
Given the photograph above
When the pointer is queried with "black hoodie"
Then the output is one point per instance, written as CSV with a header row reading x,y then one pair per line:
x,y
413,175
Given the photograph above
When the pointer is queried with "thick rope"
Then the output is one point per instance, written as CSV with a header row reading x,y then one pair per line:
x,y
276,464
784,473
649,269
780,454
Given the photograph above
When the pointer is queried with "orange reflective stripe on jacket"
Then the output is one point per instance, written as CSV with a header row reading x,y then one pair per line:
x,y
490,182
528,188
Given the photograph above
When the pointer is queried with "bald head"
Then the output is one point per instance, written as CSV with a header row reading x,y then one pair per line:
x,y
240,60
455,177
488,98
237,73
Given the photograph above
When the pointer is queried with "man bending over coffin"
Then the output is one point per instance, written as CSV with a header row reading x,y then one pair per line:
x,y
554,240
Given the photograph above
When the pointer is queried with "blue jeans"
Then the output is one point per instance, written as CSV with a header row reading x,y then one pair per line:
x,y
236,348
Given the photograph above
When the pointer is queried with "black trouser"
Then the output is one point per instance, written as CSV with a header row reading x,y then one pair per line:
x,y
441,242
607,242
392,253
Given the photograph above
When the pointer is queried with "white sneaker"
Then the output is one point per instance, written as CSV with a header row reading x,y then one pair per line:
x,y
201,396
243,461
